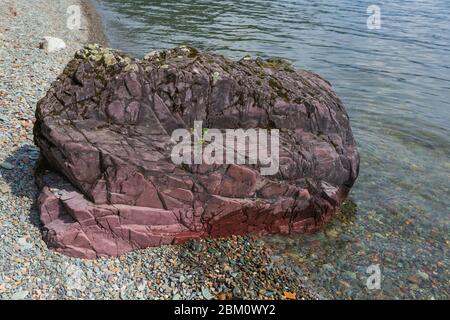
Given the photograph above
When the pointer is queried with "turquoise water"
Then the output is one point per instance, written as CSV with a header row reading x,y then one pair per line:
x,y
395,83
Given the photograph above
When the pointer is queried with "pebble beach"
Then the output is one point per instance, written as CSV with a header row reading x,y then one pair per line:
x,y
234,268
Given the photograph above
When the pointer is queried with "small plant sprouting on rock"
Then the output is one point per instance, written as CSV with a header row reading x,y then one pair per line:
x,y
202,137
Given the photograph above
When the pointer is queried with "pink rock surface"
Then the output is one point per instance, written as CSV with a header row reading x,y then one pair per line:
x,y
105,126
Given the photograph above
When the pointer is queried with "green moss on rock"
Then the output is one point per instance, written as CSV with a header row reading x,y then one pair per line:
x,y
97,53
347,211
276,63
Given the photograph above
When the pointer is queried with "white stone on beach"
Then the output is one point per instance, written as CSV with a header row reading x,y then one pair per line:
x,y
52,44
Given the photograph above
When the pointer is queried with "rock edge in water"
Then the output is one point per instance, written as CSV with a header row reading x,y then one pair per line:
x,y
104,131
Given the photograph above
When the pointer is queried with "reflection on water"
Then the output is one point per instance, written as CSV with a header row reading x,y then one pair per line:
x,y
395,83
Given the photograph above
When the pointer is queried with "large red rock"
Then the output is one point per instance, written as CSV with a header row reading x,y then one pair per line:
x,y
104,130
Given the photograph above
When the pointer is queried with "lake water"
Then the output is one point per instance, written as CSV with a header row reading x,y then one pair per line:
x,y
395,83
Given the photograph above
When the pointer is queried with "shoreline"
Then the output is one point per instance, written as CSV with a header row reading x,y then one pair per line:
x,y
96,30
236,267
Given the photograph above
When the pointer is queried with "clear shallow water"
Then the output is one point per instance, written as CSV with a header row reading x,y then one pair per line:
x,y
395,83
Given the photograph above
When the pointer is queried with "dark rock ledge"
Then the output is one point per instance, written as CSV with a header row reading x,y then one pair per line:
x,y
109,185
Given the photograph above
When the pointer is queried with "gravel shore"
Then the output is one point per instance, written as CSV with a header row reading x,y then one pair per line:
x,y
239,267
